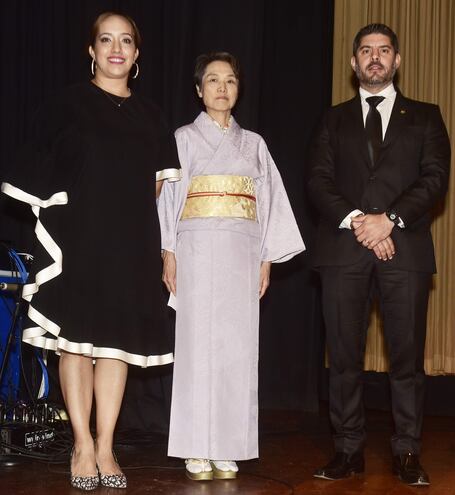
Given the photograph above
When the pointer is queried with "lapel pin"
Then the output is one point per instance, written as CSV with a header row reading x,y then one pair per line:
x,y
402,111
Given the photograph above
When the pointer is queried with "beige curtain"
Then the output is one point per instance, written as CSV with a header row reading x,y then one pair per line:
x,y
426,33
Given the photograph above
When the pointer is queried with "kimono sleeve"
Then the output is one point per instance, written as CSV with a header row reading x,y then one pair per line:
x,y
172,197
280,235
167,215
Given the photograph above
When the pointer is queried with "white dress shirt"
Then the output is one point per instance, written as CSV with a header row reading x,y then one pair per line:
x,y
384,108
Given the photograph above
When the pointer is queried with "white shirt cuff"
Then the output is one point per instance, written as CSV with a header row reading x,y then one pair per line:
x,y
401,224
346,223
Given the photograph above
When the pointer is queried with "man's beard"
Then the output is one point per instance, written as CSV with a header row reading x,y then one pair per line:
x,y
375,79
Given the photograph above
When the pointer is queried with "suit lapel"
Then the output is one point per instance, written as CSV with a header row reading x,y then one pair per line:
x,y
398,121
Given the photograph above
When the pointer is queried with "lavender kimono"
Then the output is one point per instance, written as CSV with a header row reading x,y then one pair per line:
x,y
214,400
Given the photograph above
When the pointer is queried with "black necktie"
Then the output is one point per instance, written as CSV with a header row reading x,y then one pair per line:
x,y
373,128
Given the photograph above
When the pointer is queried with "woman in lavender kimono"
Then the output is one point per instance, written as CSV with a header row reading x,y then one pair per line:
x,y
222,226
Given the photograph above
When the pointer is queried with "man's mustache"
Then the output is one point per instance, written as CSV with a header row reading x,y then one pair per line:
x,y
377,64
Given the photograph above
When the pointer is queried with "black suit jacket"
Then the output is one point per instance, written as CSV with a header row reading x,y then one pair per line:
x,y
410,176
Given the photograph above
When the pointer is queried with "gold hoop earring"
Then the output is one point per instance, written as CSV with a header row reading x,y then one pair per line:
x,y
137,70
92,67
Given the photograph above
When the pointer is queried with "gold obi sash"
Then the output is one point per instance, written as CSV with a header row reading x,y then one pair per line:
x,y
220,196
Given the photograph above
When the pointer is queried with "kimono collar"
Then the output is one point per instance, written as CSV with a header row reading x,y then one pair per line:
x,y
210,127
224,129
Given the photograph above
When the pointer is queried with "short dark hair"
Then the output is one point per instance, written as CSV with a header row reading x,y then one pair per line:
x,y
203,60
375,29
103,16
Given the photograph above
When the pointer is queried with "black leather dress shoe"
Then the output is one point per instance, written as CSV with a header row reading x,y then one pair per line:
x,y
407,467
342,466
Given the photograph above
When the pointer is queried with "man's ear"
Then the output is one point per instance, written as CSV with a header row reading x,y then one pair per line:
x,y
353,63
397,60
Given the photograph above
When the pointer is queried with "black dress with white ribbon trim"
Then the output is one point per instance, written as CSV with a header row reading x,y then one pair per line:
x,y
89,175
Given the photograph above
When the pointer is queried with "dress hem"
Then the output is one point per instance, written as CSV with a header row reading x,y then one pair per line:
x,y
32,336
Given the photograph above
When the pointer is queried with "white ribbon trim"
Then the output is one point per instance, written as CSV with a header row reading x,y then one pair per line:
x,y
34,337
60,198
51,271
171,174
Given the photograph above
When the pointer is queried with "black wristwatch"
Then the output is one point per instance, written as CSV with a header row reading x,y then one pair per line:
x,y
392,215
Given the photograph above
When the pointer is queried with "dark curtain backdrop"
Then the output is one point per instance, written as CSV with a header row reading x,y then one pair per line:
x,y
285,51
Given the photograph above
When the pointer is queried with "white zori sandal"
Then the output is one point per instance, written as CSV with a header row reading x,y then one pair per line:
x,y
224,470
198,469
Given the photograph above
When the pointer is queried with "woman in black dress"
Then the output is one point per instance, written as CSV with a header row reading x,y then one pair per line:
x,y
96,293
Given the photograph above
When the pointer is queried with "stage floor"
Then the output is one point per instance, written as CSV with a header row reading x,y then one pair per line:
x,y
292,445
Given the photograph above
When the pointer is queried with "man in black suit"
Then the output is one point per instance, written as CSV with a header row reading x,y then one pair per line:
x,y
379,164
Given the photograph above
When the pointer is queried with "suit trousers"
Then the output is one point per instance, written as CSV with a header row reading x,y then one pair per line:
x,y
348,292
